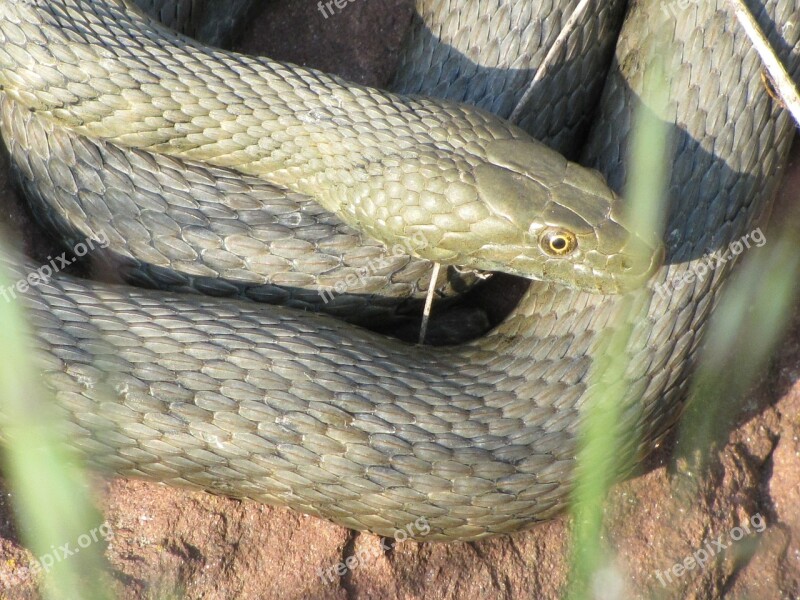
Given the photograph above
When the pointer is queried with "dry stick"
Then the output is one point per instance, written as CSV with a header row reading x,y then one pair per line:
x,y
561,40
783,82
428,302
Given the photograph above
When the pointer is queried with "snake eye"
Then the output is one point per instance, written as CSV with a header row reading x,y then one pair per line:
x,y
558,242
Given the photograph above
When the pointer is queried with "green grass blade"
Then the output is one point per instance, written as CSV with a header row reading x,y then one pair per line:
x,y
51,494
606,439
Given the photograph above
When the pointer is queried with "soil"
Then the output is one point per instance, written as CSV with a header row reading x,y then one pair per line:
x,y
174,543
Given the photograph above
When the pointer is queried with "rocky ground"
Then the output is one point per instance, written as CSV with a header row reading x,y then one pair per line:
x,y
172,543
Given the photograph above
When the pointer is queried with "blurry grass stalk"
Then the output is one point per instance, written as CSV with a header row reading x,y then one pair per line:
x,y
606,441
750,320
50,493
744,331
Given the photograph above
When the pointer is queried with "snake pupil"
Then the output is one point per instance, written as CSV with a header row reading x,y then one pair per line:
x,y
558,242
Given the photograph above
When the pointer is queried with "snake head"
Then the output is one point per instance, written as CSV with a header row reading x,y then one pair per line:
x,y
554,220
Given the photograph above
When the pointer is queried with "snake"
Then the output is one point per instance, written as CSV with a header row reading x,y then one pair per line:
x,y
291,408
178,232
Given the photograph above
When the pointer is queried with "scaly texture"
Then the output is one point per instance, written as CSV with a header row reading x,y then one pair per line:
x,y
181,225
178,225
488,53
371,433
477,190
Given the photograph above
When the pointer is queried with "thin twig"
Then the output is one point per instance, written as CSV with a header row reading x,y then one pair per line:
x,y
426,314
569,26
784,85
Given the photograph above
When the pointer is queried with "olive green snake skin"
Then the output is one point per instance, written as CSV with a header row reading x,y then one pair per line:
x,y
303,410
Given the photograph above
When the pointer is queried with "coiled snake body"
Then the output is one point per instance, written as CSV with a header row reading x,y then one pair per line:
x,y
303,410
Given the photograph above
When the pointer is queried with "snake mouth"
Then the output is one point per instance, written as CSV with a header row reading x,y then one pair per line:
x,y
616,263
597,273
591,271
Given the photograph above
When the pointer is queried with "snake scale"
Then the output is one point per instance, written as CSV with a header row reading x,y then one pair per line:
x,y
303,410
